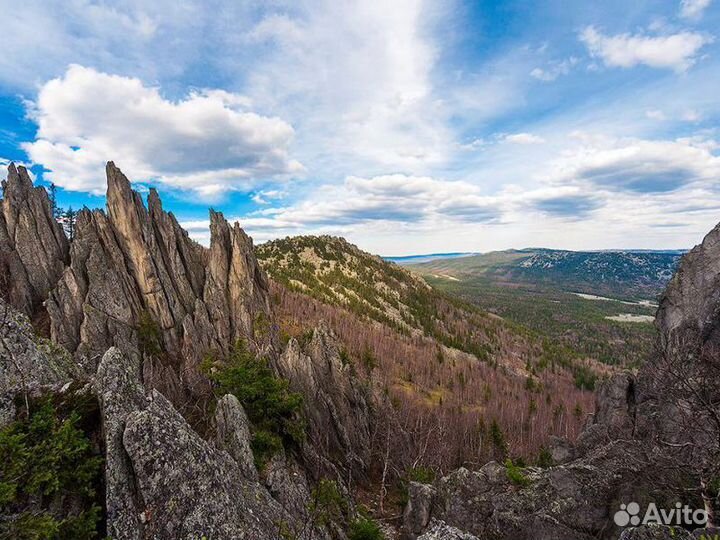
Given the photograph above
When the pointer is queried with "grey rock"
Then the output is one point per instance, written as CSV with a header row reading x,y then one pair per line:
x,y
164,481
655,532
561,450
439,530
288,485
709,533
614,416
690,305
120,393
232,434
338,405
416,515
29,364
133,261
33,246
189,488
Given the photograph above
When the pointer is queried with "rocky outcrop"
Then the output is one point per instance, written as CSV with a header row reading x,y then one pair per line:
x,y
165,482
232,434
338,405
418,509
657,532
690,307
442,531
29,365
33,246
120,393
654,432
134,270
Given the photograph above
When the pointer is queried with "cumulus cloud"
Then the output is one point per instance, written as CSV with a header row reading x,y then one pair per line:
x,y
206,142
693,9
394,200
639,166
674,51
523,138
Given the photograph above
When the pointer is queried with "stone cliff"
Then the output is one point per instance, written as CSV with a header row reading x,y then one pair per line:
x,y
134,306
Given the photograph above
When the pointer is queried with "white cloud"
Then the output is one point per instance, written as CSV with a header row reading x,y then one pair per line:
x,y
638,166
364,70
675,51
474,144
693,9
394,200
205,142
523,138
554,69
266,195
691,116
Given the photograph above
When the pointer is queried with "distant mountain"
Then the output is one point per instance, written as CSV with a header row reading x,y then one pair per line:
x,y
624,274
414,259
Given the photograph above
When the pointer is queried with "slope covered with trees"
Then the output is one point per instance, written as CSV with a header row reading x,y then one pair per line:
x,y
465,386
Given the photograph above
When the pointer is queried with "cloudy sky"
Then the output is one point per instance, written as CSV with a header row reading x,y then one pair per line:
x,y
408,126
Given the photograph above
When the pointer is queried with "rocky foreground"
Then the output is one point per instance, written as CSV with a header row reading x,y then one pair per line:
x,y
134,307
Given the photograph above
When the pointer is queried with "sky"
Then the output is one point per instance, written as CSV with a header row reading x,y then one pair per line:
x,y
408,126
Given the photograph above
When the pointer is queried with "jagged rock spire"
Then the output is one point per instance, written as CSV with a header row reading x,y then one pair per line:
x,y
134,262
33,246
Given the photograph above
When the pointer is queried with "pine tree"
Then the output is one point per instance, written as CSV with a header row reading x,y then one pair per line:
x,y
69,217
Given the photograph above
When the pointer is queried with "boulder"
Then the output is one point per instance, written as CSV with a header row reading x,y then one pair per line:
x,y
442,531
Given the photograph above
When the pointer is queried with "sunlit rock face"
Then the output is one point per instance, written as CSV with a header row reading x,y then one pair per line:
x,y
135,264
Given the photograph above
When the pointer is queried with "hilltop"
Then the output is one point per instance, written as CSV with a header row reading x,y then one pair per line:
x,y
338,273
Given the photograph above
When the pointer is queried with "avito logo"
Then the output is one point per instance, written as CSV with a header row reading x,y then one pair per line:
x,y
683,515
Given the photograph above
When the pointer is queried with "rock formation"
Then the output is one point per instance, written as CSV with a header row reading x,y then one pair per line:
x,y
33,246
136,298
165,482
135,266
30,364
338,406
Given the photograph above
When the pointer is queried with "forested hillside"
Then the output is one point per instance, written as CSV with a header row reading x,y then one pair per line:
x,y
467,385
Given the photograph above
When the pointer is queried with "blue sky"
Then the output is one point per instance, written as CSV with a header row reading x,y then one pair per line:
x,y
408,127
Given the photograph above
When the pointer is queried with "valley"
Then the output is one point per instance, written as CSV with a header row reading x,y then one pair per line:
x,y
597,304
